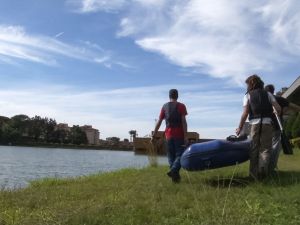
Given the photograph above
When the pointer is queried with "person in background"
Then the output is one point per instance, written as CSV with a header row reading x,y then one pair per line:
x,y
174,113
258,105
276,140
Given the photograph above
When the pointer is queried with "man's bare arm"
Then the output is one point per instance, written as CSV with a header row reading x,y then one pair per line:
x,y
157,126
277,107
184,126
243,119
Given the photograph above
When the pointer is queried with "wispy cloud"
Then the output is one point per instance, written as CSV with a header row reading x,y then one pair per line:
x,y
220,38
59,34
115,112
89,6
17,44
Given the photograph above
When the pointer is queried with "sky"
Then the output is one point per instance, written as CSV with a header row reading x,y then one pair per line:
x,y
111,63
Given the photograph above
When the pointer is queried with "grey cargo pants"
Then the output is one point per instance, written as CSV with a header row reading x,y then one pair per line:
x,y
260,150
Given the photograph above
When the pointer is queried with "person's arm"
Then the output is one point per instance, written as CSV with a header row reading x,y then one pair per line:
x,y
244,115
157,126
274,103
183,112
243,119
158,123
276,107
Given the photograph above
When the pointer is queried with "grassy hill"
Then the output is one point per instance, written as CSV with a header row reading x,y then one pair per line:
x,y
147,196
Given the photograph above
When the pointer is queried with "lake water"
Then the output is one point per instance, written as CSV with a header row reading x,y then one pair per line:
x,y
19,165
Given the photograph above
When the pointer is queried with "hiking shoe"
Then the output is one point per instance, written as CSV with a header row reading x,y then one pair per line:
x,y
170,173
175,176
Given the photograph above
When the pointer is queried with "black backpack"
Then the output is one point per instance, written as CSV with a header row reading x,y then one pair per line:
x,y
259,104
172,115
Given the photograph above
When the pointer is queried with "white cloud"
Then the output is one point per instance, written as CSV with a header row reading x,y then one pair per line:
x,y
90,6
220,38
224,38
284,18
229,38
128,28
115,112
152,3
16,44
59,34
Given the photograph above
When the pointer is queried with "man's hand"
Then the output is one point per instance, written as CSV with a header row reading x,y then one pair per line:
x,y
153,139
275,111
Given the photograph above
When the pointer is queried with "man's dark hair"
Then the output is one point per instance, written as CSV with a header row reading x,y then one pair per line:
x,y
254,82
270,88
173,94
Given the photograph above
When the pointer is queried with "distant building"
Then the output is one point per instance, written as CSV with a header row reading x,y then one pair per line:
x,y
92,134
113,139
293,92
142,145
63,126
279,93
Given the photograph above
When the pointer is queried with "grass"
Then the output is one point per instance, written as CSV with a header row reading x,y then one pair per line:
x,y
152,154
147,196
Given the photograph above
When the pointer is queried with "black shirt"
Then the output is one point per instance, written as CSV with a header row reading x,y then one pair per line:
x,y
282,101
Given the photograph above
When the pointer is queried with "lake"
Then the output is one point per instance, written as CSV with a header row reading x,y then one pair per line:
x,y
19,165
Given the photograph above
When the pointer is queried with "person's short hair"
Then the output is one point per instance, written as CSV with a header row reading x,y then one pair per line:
x,y
254,82
173,94
270,88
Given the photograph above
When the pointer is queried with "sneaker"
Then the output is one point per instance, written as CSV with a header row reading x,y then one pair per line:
x,y
176,178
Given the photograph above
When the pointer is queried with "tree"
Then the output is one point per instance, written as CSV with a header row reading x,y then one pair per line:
x,y
20,123
50,125
295,129
288,125
37,128
9,135
78,136
3,120
20,118
61,136
13,129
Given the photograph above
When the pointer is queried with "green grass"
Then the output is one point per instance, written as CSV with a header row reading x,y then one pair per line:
x,y
147,196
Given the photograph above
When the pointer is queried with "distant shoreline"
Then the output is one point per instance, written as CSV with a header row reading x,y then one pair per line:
x,y
114,147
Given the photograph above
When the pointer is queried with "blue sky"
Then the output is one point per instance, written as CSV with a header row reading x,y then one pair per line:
x,y
111,63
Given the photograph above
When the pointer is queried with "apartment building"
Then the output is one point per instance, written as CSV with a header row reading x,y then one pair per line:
x,y
92,134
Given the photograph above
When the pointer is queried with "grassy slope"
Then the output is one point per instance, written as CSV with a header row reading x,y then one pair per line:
x,y
147,196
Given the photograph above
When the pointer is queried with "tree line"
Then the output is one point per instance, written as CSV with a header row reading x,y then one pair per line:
x,y
292,126
21,129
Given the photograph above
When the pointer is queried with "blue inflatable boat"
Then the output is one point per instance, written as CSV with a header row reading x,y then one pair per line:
x,y
215,154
